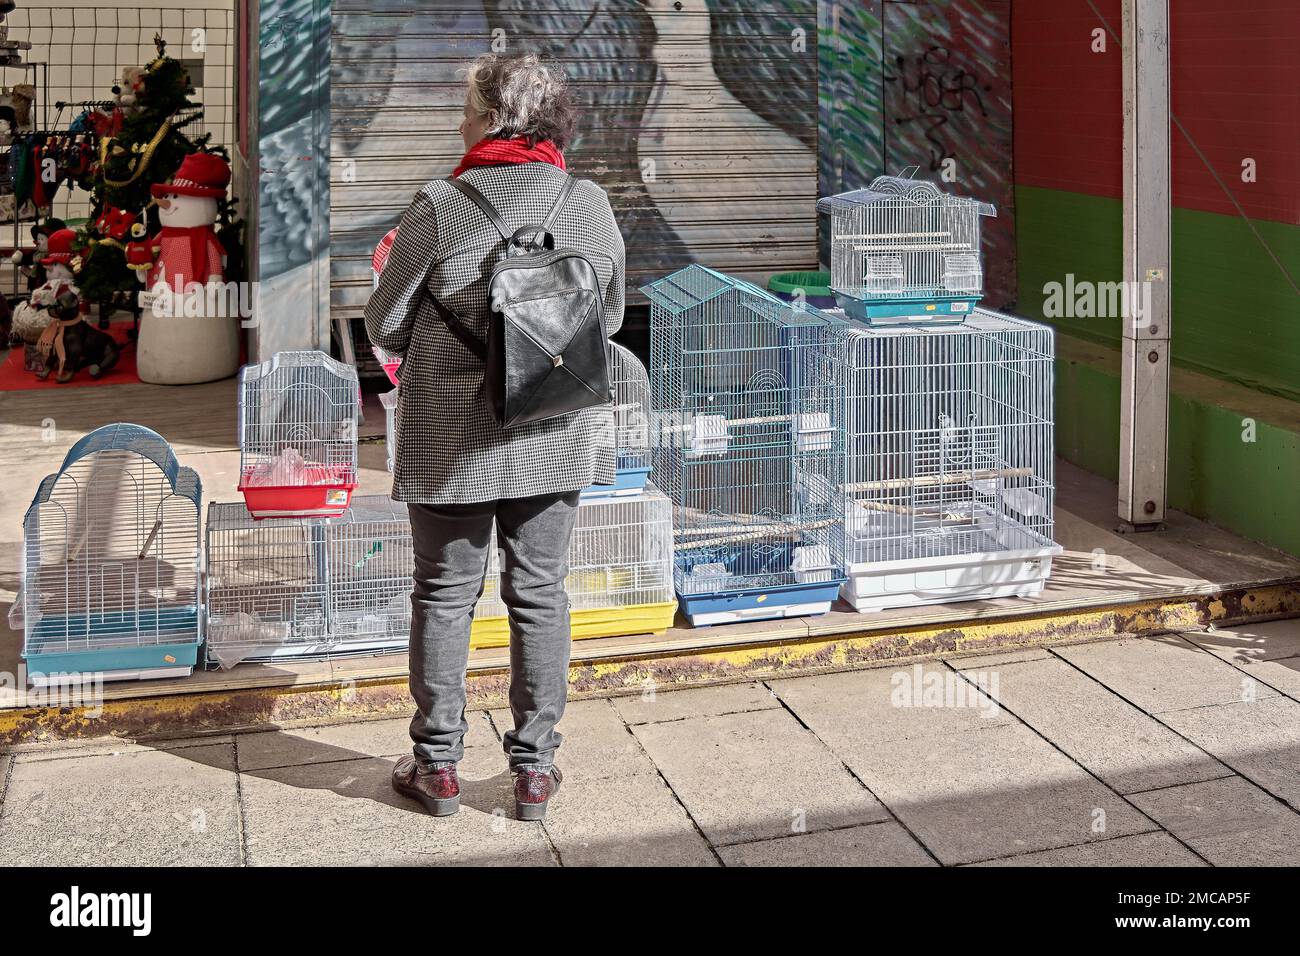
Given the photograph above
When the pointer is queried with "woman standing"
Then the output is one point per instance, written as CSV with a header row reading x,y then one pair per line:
x,y
458,470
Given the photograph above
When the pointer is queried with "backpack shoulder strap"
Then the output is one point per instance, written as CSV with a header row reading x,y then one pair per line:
x,y
457,328
551,216
478,199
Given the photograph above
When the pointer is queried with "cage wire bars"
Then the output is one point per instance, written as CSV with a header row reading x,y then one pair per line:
x,y
748,445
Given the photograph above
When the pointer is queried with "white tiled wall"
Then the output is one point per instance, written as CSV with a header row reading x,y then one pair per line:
x,y
86,45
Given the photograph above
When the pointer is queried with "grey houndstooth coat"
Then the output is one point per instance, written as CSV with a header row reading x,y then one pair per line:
x,y
449,448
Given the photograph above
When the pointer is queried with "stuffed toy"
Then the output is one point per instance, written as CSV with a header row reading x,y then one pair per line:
x,y
70,343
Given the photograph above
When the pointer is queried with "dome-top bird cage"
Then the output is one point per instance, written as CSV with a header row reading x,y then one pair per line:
x,y
110,562
902,251
298,435
746,392
631,387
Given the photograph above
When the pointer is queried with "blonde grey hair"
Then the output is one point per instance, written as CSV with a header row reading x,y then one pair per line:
x,y
521,95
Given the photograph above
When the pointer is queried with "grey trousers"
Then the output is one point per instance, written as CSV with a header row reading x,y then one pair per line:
x,y
451,553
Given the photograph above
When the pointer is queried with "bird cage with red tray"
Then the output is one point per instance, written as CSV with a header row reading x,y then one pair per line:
x,y
298,436
386,359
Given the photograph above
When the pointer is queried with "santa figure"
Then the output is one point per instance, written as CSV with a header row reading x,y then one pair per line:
x,y
186,246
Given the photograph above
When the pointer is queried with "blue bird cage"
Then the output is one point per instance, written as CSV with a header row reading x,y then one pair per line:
x,y
748,444
110,581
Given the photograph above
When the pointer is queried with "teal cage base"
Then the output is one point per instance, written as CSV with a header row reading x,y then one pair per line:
x,y
90,643
927,310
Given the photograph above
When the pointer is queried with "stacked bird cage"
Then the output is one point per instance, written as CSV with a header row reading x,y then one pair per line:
x,y
389,362
309,587
620,572
298,435
110,562
749,446
904,252
631,387
390,401
948,490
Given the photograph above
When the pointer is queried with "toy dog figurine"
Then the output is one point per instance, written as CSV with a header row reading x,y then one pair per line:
x,y
71,343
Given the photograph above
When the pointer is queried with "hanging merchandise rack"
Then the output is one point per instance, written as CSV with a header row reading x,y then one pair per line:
x,y
40,74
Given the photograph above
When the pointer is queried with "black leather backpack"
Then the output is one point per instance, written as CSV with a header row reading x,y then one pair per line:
x,y
547,352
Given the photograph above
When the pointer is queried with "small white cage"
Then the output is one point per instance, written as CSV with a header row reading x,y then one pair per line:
x,y
749,445
902,251
620,572
390,402
949,479
631,386
298,435
110,562
308,587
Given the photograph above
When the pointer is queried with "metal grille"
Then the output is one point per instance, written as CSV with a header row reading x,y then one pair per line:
x,y
749,441
949,439
631,386
308,587
298,421
111,548
903,238
620,556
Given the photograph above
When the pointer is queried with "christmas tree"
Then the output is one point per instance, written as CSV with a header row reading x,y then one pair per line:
x,y
155,111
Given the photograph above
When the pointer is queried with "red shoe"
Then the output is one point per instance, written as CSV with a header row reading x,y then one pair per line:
x,y
437,789
533,788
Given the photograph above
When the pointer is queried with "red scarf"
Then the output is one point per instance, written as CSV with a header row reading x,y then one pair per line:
x,y
507,152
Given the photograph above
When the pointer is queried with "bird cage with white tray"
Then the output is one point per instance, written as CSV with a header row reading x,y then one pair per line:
x,y
110,578
903,251
620,572
748,445
631,387
298,416
949,479
308,587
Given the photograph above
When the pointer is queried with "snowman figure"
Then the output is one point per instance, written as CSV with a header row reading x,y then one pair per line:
x,y
185,335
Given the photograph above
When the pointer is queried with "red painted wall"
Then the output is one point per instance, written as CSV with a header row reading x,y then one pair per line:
x,y
1235,90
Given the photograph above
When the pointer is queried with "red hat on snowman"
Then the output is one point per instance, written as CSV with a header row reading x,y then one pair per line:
x,y
200,174
59,249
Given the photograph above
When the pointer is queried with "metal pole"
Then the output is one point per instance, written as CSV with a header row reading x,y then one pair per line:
x,y
1144,405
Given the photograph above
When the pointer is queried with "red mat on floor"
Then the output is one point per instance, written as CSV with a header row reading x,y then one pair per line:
x,y
14,379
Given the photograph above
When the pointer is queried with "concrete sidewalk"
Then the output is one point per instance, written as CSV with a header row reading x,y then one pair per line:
x,y
1180,750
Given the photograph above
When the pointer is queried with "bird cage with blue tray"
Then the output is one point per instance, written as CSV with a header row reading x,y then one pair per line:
x,y
110,579
746,391
631,387
903,251
298,415
308,587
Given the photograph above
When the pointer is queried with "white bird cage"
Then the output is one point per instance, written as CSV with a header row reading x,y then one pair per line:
x,y
309,587
110,562
631,386
298,435
620,572
949,481
904,252
749,445
390,401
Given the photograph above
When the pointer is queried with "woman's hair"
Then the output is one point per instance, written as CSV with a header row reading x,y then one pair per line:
x,y
522,96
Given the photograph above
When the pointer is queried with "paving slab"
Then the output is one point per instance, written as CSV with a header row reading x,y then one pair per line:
x,y
1160,674
150,808
108,746
5,762
348,741
877,844
623,821
1126,748
888,704
1230,822
755,775
970,661
696,702
1270,641
1259,740
1141,849
597,744
979,795
346,813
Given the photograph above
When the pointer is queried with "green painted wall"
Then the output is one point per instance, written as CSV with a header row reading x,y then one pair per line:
x,y
1235,313
1235,318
